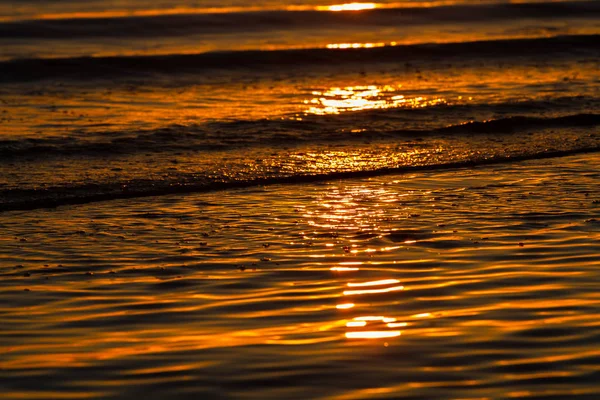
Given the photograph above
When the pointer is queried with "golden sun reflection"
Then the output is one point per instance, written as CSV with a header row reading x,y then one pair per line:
x,y
376,332
375,283
336,100
372,334
348,7
397,324
354,45
376,318
372,291
344,269
354,324
343,210
423,315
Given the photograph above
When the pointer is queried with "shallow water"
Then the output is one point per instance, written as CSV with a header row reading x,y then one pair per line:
x,y
467,283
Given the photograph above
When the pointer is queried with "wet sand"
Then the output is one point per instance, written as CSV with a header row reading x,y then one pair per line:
x,y
467,283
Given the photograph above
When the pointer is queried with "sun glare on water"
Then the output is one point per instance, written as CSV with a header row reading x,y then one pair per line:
x,y
348,7
337,100
354,45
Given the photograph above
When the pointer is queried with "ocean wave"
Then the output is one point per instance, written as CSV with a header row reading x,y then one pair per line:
x,y
229,135
139,66
267,21
50,197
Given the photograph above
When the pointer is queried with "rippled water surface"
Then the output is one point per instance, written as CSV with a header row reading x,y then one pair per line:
x,y
262,200
470,284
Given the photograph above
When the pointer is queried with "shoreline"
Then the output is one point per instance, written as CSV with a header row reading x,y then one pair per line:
x,y
433,284
190,188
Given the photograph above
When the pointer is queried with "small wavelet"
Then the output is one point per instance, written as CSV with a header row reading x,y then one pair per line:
x,y
227,135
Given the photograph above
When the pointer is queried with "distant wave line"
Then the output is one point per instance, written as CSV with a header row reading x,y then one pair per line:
x,y
178,24
127,66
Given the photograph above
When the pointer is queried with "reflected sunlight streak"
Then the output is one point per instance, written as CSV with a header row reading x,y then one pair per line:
x,y
376,318
348,7
344,269
397,324
375,283
354,324
336,100
355,45
372,291
372,334
423,315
